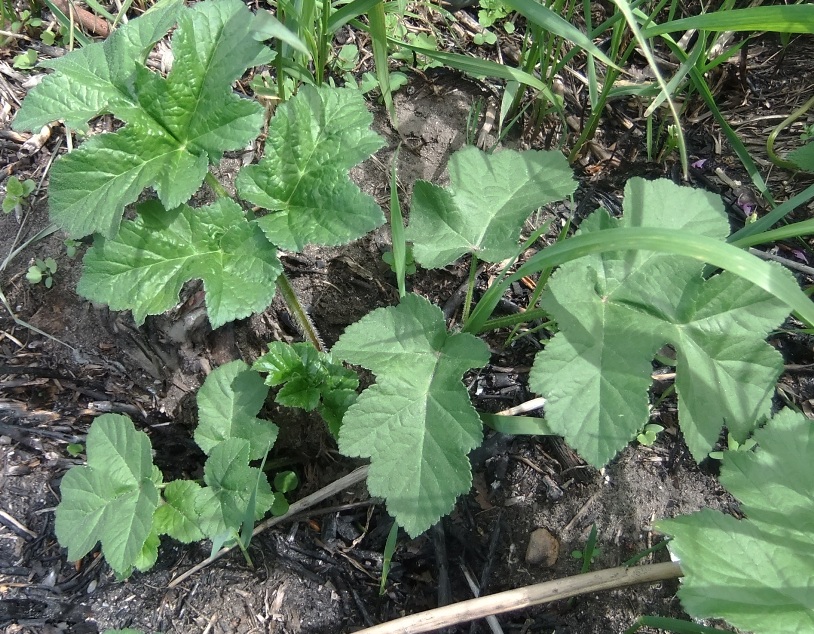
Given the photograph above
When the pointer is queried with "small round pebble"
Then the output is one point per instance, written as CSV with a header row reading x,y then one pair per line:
x,y
543,548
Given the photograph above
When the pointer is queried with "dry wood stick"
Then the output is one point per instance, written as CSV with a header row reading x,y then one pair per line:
x,y
526,597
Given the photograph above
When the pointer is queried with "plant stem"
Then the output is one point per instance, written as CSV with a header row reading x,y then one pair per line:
x,y
299,313
214,183
470,289
783,163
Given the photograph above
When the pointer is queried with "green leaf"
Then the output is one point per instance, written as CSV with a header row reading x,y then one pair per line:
x,y
228,403
230,485
483,210
286,481
416,424
780,19
267,27
175,126
313,140
34,275
27,60
113,498
617,309
14,188
803,157
755,573
177,517
144,267
310,380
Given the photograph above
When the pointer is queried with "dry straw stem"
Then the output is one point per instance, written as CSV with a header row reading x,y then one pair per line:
x,y
527,597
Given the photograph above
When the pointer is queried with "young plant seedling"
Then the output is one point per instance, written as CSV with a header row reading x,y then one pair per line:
x,y
42,270
648,435
589,553
733,445
17,193
121,486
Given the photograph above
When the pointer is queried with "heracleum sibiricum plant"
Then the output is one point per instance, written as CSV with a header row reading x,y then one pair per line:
x,y
625,288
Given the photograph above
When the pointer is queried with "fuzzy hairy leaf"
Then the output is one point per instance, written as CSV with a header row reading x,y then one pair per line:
x,y
113,498
175,126
416,424
310,380
483,210
231,483
756,573
144,267
228,402
313,140
616,310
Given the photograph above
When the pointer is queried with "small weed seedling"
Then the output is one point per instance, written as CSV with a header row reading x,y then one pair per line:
x,y
42,271
17,193
733,445
648,435
589,553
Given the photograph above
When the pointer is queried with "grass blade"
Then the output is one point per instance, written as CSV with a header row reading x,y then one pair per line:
x,y
774,216
770,278
397,229
798,18
351,10
626,10
484,68
378,35
549,21
74,32
795,230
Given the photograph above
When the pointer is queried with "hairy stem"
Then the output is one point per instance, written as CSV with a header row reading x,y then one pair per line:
x,y
299,313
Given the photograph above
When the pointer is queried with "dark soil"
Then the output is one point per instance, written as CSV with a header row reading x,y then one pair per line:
x,y
320,572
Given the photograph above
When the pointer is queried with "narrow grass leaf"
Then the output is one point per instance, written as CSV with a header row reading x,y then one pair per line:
x,y
798,18
347,12
551,22
484,68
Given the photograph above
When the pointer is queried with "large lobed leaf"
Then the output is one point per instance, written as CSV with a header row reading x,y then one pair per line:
x,y
416,424
228,402
174,127
112,499
144,267
616,310
483,210
313,140
757,572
